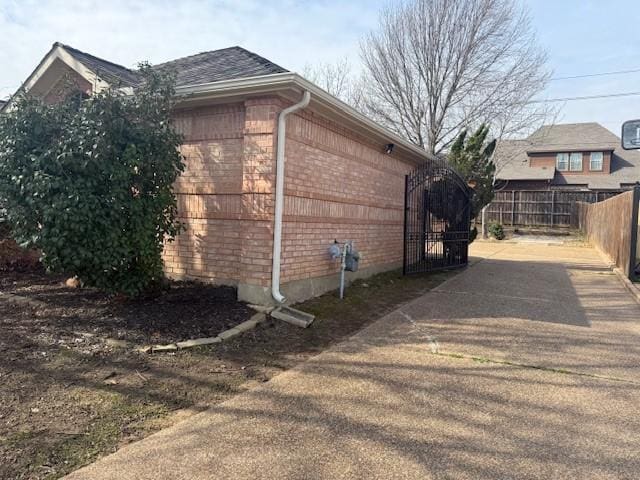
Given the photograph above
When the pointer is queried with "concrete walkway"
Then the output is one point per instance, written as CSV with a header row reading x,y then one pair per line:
x,y
526,365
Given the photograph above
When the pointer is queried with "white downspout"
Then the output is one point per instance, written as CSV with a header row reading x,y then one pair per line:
x,y
277,220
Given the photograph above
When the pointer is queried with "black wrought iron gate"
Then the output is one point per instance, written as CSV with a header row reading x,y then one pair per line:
x,y
437,219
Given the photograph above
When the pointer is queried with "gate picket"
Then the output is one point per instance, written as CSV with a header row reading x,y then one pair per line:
x,y
437,219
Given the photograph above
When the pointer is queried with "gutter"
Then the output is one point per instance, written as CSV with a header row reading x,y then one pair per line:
x,y
277,220
293,81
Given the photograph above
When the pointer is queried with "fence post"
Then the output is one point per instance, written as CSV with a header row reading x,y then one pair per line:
x,y
406,217
634,231
484,225
513,207
553,206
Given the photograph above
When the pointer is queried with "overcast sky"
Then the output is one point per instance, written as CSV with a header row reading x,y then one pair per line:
x,y
581,37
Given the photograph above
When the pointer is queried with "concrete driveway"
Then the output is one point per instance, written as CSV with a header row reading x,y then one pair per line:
x,y
524,366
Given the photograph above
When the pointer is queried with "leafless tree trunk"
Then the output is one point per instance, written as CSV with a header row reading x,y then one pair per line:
x,y
434,67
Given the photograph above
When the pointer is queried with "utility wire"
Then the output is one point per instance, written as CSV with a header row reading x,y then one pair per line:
x,y
602,74
586,97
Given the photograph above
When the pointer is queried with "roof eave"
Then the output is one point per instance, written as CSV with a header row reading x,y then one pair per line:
x,y
57,52
561,149
293,84
523,178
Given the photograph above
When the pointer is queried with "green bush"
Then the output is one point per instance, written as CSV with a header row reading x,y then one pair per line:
x,y
88,182
496,230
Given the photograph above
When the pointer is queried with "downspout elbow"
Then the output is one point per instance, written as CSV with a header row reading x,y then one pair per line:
x,y
279,195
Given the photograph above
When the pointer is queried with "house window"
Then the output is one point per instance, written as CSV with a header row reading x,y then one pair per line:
x,y
596,161
562,162
575,162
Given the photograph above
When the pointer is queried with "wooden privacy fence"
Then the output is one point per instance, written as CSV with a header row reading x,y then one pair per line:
x,y
549,208
612,227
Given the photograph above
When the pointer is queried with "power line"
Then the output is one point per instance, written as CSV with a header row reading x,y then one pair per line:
x,y
586,97
602,74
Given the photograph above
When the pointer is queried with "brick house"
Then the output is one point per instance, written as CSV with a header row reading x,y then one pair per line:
x,y
578,156
262,204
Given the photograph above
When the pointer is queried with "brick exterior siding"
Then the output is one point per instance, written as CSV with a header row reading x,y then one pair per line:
x,y
549,160
341,186
209,194
338,185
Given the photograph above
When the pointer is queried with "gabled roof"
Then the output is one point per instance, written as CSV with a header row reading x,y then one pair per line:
x,y
207,67
111,72
231,73
572,137
226,64
512,160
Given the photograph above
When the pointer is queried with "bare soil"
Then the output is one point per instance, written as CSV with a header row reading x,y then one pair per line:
x,y
74,387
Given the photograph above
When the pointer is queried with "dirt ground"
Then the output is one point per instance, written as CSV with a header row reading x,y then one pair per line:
x,y
74,387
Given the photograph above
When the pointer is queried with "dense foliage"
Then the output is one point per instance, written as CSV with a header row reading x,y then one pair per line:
x,y
88,182
471,157
496,230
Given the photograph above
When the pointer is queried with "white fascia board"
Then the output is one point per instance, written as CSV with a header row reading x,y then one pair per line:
x,y
89,75
279,81
59,53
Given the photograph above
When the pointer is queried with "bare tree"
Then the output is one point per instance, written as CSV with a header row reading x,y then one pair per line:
x,y
338,79
434,67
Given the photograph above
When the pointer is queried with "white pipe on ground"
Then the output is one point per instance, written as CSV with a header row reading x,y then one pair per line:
x,y
277,220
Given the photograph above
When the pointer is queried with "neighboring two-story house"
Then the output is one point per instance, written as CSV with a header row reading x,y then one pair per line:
x,y
577,156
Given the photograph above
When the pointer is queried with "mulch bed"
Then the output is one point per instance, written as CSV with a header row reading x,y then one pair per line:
x,y
185,310
74,387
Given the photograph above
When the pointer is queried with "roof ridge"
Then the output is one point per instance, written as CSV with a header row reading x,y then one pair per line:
x,y
69,47
157,65
260,59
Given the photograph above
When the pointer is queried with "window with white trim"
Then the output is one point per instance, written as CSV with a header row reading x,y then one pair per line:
x,y
596,161
562,162
575,162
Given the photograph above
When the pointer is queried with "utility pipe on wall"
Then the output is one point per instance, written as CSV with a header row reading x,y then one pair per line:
x,y
277,220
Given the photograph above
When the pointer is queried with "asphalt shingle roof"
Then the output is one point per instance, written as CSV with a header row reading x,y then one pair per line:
x,y
512,161
572,137
225,64
110,72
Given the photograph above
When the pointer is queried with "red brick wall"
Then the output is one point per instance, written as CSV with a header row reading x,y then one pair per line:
x,y
549,160
209,194
258,178
340,186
